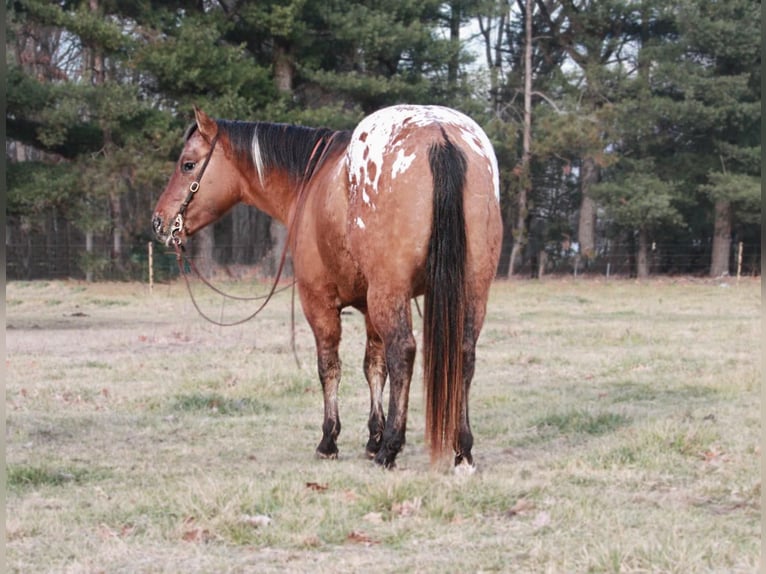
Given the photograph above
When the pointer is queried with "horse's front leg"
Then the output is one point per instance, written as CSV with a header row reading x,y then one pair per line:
x,y
375,371
326,325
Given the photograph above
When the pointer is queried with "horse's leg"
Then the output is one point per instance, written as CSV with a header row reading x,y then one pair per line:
x,y
393,322
375,372
475,314
464,439
326,325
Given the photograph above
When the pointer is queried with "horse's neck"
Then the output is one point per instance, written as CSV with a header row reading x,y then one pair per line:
x,y
272,193
286,170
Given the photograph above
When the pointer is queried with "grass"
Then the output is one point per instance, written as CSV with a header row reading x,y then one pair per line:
x,y
617,429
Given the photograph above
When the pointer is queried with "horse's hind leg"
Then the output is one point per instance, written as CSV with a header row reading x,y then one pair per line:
x,y
464,439
474,320
393,321
375,372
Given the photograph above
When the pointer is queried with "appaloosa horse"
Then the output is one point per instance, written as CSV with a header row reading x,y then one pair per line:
x,y
406,204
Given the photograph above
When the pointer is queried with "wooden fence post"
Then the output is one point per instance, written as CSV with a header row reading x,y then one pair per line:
x,y
151,267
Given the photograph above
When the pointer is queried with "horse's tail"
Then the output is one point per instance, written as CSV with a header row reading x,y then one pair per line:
x,y
444,305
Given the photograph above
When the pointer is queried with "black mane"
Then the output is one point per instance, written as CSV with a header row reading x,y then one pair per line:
x,y
296,149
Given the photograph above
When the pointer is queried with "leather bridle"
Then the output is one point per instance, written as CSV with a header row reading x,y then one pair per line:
x,y
178,221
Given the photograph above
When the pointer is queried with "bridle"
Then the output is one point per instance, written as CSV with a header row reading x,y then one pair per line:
x,y
175,240
178,221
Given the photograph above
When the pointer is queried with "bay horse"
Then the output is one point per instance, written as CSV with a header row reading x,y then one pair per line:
x,y
406,204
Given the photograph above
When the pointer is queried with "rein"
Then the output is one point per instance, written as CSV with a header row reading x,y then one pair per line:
x,y
177,227
180,259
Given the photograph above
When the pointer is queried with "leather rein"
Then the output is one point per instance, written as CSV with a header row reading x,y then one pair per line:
x,y
175,239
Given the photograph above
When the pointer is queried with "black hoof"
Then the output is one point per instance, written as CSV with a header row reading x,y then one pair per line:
x,y
372,448
387,462
327,452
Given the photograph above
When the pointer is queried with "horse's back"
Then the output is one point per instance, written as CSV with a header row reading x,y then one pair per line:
x,y
391,187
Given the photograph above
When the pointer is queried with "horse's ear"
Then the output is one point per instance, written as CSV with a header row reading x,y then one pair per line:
x,y
206,125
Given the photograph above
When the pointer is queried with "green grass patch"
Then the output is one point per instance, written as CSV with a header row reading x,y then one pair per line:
x,y
579,422
217,404
630,392
26,476
109,302
97,365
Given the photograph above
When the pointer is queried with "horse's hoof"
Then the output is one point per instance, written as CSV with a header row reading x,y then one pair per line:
x,y
326,455
384,462
464,468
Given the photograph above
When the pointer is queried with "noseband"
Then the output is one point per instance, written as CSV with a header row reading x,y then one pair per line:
x,y
178,222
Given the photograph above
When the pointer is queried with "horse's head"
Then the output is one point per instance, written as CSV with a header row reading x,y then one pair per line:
x,y
203,187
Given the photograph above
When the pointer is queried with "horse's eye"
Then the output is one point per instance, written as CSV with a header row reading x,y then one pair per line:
x,y
188,166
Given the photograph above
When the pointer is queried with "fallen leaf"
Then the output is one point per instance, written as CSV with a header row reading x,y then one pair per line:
x,y
407,508
522,505
359,537
350,495
197,535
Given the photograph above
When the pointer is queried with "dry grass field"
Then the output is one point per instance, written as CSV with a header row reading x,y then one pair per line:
x,y
617,429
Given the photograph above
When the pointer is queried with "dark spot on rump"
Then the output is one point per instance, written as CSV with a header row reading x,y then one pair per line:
x,y
372,169
366,153
363,137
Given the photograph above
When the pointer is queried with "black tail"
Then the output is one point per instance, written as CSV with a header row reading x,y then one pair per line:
x,y
444,313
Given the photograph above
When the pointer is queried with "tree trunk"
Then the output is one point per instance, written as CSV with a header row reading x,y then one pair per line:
x,y
520,233
116,213
278,241
642,256
283,78
89,251
454,38
283,68
494,51
586,234
719,263
204,245
241,235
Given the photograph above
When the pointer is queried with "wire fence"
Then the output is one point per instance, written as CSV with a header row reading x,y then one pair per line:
x,y
31,261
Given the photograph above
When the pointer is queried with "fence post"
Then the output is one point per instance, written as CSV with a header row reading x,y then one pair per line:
x,y
151,267
739,261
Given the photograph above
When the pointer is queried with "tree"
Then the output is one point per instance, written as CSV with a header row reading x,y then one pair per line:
x,y
594,36
524,188
637,199
717,85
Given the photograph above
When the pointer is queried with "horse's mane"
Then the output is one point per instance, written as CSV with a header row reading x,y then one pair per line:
x,y
298,150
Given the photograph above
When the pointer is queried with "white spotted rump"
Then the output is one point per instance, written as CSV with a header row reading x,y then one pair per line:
x,y
376,137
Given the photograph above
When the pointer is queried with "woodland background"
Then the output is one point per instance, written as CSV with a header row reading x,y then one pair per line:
x,y
628,132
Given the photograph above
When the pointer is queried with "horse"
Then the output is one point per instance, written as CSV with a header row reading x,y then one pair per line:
x,y
404,205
